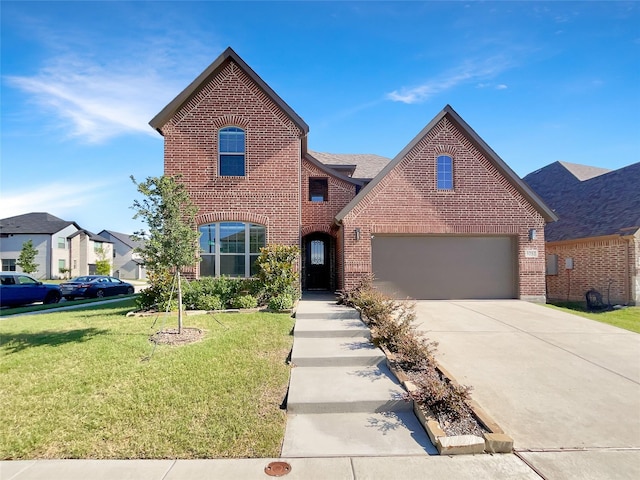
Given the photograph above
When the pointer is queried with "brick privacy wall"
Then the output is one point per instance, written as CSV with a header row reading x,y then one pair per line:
x,y
269,194
609,265
483,202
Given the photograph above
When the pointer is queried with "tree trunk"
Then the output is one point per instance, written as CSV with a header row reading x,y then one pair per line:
x,y
179,303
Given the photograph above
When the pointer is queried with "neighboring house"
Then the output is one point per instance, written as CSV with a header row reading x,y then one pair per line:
x,y
126,262
61,245
596,242
446,218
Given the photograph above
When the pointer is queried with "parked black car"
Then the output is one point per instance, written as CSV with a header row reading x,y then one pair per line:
x,y
95,286
21,289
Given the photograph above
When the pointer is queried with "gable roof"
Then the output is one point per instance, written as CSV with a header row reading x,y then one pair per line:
x,y
366,165
583,172
34,223
123,238
480,144
604,204
330,171
91,235
205,77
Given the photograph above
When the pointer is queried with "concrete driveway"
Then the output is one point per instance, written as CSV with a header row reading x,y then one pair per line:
x,y
552,380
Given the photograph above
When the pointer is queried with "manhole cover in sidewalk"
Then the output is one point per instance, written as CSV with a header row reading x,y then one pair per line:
x,y
277,469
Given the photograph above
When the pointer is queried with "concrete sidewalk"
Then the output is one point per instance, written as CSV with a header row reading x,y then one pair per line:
x,y
343,400
499,467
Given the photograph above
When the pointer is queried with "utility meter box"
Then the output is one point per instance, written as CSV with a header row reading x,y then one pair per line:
x,y
568,263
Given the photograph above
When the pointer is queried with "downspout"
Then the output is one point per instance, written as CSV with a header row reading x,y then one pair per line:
x,y
627,276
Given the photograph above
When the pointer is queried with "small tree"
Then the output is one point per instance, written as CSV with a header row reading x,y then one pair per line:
x,y
103,265
26,260
172,241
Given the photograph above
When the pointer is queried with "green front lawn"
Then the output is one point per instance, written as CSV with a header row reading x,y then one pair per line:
x,y
627,318
85,384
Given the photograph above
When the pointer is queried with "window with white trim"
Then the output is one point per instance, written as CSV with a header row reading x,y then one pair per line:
x,y
444,172
230,248
8,264
231,152
62,242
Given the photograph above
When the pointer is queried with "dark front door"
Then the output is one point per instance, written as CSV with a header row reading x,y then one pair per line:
x,y
317,271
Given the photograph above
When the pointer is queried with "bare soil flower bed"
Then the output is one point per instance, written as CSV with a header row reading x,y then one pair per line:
x,y
170,336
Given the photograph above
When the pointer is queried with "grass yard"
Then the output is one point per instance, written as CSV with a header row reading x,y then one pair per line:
x,y
627,318
80,384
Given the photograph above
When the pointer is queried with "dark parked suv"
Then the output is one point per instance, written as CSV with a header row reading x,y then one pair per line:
x,y
21,289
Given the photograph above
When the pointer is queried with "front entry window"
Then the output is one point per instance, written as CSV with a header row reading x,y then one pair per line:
x,y
230,248
317,252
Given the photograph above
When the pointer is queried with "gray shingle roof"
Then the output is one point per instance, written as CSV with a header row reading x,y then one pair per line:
x,y
33,223
367,165
584,172
123,237
91,235
605,203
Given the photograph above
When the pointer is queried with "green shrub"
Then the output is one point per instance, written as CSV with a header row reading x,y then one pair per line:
x,y
244,301
160,293
281,302
276,270
209,302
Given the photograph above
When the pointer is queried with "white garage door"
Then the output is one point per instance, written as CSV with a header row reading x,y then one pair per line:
x,y
445,267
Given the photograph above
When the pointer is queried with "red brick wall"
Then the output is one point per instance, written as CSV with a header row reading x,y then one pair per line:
x,y
608,264
482,202
318,216
269,194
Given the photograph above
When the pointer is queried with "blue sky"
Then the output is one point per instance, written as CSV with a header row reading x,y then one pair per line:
x,y
538,81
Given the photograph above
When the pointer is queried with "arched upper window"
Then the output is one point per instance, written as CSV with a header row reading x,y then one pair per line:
x,y
444,172
230,248
231,152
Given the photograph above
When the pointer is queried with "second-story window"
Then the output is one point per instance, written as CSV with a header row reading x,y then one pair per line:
x,y
445,172
231,152
318,190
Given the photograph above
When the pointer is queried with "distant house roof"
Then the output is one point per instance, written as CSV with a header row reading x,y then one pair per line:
x,y
91,235
475,140
365,165
606,202
34,223
584,172
122,237
205,77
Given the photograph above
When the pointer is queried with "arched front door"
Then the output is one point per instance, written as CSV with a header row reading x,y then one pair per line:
x,y
317,261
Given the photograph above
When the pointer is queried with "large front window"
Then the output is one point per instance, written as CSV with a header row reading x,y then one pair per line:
x,y
230,248
231,150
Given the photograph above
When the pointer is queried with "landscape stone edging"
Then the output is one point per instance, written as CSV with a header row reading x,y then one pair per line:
x,y
494,441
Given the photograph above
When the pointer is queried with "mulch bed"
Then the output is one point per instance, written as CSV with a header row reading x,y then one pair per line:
x,y
170,336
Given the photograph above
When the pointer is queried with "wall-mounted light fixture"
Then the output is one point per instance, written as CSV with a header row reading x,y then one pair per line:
x,y
533,234
357,233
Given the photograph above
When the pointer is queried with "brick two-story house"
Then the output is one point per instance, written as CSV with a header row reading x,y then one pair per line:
x,y
446,218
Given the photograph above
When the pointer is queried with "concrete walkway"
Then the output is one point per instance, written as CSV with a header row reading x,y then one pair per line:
x,y
343,400
566,388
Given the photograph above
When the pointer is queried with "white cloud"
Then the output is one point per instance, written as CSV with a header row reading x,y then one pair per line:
x,y
97,102
55,197
502,86
468,72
